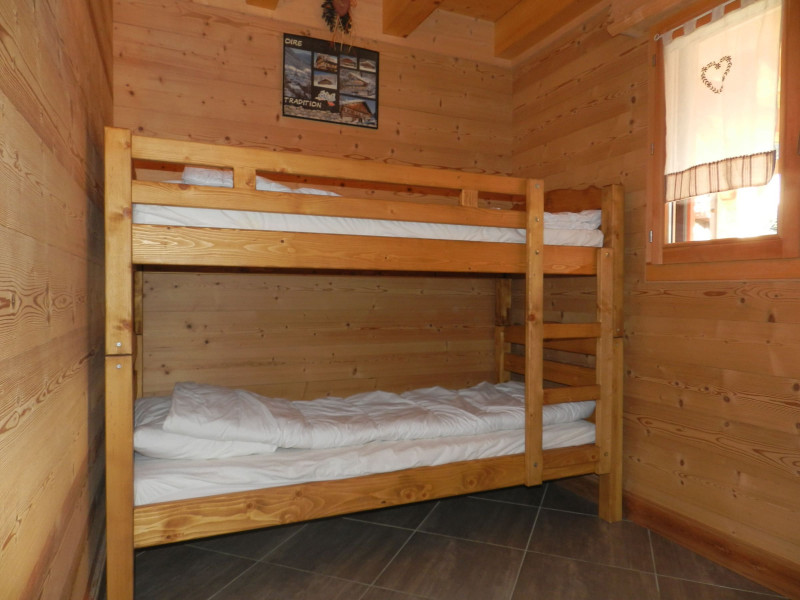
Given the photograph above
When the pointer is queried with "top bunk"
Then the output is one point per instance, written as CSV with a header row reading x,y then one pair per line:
x,y
385,217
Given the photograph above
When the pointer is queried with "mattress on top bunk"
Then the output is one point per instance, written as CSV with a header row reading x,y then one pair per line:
x,y
564,229
426,427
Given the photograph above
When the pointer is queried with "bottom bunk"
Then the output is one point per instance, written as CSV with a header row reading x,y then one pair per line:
x,y
212,460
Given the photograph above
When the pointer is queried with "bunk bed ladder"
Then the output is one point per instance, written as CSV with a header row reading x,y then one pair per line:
x,y
573,383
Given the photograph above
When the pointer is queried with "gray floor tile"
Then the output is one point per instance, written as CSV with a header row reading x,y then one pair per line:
x,y
384,594
273,582
557,578
531,496
408,516
562,499
250,544
622,544
182,571
470,549
444,568
482,520
343,548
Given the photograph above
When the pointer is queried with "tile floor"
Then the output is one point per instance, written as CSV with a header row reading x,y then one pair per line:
x,y
540,543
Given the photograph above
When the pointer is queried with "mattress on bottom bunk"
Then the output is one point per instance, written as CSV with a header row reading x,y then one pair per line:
x,y
206,440
158,480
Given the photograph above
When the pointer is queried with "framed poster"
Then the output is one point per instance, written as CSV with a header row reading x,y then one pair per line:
x,y
323,81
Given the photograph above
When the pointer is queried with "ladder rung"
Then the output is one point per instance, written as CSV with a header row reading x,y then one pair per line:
x,y
571,394
577,345
568,374
515,334
566,331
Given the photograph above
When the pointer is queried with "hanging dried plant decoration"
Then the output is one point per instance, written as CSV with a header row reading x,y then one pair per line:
x,y
337,15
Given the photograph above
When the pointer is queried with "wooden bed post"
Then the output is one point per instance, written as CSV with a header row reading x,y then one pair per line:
x,y
610,279
610,484
534,332
119,368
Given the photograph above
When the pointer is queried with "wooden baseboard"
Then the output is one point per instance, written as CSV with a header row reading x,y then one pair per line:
x,y
773,572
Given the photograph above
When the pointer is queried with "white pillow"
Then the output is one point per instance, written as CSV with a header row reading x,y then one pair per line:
x,y
150,439
224,178
586,219
227,414
552,414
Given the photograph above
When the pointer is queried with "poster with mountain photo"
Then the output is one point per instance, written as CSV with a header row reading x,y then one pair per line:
x,y
326,81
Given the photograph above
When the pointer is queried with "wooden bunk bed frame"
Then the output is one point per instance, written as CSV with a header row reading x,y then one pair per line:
x,y
131,247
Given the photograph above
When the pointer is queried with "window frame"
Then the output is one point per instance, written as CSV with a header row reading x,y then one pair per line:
x,y
772,256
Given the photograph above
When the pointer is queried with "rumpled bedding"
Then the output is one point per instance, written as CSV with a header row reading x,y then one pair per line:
x,y
204,421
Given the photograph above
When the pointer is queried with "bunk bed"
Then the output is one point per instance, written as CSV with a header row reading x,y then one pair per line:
x,y
468,201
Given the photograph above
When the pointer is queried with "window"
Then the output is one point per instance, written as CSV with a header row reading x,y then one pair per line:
x,y
724,172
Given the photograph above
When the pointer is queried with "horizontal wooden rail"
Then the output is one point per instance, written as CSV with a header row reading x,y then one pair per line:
x,y
171,194
515,334
196,153
568,374
579,346
196,246
567,462
201,517
571,394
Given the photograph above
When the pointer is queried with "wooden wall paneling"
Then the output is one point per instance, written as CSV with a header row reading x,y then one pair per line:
x,y
712,396
557,105
709,491
758,399
754,301
311,333
55,95
435,109
740,346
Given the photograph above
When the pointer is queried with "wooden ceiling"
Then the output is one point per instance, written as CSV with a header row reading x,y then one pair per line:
x,y
518,24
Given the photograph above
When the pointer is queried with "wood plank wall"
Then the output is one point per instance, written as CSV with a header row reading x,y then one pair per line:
x,y
188,69
212,71
55,97
712,385
305,336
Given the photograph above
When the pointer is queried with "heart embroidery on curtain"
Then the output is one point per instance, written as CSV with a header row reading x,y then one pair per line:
x,y
713,79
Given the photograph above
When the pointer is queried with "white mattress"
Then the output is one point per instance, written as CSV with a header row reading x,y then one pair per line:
x,y
158,480
146,214
564,229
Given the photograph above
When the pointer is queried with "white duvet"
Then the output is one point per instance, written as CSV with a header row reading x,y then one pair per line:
x,y
204,421
203,466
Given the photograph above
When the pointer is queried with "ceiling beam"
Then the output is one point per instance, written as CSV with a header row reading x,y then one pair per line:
x,y
270,4
401,17
530,21
626,15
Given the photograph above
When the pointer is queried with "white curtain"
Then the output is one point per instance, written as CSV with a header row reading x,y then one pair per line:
x,y
721,83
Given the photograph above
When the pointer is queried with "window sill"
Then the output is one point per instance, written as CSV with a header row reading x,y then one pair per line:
x,y
734,270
